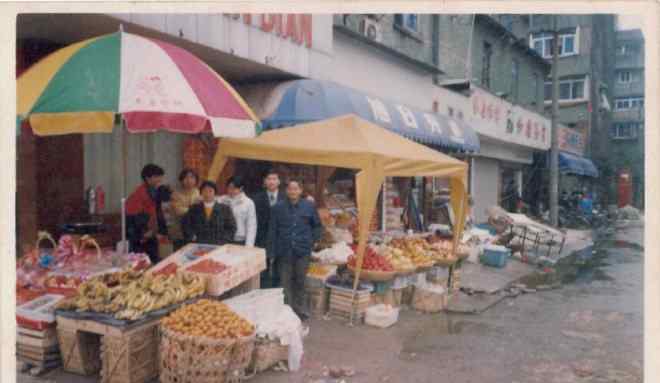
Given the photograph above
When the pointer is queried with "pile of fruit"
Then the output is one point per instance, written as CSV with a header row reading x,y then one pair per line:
x,y
318,270
443,249
372,261
208,266
63,282
401,263
130,295
206,318
415,249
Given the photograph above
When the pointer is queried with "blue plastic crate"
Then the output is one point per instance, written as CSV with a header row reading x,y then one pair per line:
x,y
495,256
485,226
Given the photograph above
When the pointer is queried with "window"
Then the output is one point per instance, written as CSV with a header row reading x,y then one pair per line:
x,y
626,130
543,44
485,64
538,20
628,103
407,20
451,111
572,89
507,21
625,49
535,78
625,76
515,75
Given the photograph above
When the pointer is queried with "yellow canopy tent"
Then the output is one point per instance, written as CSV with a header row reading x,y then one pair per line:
x,y
351,142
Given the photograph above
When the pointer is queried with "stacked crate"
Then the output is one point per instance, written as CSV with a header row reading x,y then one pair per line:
x,y
341,303
38,349
36,338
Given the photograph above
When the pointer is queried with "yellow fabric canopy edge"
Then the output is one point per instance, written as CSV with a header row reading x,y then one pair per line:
x,y
52,124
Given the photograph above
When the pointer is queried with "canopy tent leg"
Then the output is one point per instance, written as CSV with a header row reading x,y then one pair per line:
x,y
124,191
368,181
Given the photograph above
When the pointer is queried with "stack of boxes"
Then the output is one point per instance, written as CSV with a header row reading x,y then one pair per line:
x,y
393,208
37,346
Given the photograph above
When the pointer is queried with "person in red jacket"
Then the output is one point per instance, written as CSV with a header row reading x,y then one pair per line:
x,y
144,219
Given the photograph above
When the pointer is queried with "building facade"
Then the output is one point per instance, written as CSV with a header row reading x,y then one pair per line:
x,y
586,86
627,129
500,80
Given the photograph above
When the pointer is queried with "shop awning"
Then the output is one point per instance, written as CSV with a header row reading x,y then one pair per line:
x,y
572,164
303,101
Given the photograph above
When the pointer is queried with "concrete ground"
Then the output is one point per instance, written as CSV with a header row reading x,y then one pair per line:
x,y
590,330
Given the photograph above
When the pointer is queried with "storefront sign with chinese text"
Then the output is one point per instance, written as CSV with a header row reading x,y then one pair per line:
x,y
293,26
501,120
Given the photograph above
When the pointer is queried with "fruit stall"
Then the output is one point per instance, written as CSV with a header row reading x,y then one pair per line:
x,y
376,154
74,299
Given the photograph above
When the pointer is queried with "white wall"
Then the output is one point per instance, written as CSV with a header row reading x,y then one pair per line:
x,y
485,192
103,161
221,32
365,68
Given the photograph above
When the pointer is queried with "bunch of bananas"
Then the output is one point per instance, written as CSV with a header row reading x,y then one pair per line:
x,y
415,249
399,261
136,294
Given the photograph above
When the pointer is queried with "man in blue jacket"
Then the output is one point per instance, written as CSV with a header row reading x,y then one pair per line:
x,y
293,230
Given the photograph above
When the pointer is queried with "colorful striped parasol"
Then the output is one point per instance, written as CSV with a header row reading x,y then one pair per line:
x,y
154,86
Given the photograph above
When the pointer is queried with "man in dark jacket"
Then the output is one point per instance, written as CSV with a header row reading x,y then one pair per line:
x,y
209,222
293,229
264,201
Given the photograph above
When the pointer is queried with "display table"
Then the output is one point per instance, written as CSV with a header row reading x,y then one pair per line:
x,y
120,354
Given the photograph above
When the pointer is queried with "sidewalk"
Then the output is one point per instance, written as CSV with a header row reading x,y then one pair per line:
x,y
486,284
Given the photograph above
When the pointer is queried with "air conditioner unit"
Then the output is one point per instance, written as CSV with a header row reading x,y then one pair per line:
x,y
370,29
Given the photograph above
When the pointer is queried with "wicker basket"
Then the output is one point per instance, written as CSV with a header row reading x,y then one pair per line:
x,y
374,276
445,262
87,241
268,353
425,266
403,272
45,236
189,359
463,255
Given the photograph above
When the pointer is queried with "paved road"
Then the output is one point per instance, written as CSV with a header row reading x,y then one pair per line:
x,y
588,331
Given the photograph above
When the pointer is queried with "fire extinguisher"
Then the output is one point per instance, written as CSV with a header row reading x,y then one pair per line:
x,y
90,199
100,199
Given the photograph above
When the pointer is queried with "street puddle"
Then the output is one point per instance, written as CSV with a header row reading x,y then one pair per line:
x,y
619,244
428,338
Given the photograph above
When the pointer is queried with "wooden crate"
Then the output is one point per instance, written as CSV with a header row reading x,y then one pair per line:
x,y
80,351
132,357
341,304
120,355
38,349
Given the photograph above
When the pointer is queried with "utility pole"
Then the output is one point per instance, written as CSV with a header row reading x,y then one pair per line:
x,y
554,130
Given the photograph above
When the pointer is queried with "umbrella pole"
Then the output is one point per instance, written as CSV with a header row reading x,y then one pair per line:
x,y
124,169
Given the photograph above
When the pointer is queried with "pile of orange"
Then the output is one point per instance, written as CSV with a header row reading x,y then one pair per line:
x,y
207,318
